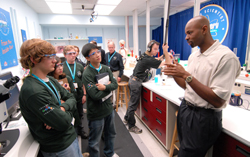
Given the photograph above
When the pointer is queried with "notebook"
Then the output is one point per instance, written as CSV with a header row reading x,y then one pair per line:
x,y
103,78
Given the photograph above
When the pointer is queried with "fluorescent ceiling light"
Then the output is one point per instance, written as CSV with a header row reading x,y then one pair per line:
x,y
104,9
58,1
60,8
109,2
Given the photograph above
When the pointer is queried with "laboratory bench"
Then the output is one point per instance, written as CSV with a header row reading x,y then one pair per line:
x,y
159,103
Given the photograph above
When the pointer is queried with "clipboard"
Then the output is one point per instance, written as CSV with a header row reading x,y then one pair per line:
x,y
103,78
63,81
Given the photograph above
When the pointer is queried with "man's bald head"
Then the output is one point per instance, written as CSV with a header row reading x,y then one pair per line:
x,y
199,22
198,32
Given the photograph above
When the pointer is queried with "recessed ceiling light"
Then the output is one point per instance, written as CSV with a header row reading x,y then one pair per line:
x,y
60,8
109,2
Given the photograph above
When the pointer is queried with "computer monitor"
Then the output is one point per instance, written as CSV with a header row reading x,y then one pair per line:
x,y
13,102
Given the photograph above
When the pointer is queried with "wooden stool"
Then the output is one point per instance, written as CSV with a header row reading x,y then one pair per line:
x,y
122,91
174,141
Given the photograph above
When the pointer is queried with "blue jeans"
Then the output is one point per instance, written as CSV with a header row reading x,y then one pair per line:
x,y
73,151
96,127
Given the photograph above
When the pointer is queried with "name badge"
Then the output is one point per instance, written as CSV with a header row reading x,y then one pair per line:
x,y
75,84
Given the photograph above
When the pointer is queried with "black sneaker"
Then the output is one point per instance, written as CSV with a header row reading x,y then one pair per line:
x,y
135,129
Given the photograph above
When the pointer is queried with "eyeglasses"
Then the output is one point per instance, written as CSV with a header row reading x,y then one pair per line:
x,y
51,56
97,52
59,64
70,53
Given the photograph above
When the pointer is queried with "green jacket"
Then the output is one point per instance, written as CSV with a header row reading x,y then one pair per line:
x,y
97,109
39,106
73,90
78,79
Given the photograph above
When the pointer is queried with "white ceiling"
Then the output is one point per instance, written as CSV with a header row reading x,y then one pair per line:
x,y
125,8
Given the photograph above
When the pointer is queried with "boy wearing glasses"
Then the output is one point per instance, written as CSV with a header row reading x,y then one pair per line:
x,y
48,119
100,112
75,70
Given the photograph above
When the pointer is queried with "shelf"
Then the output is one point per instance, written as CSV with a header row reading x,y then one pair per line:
x,y
64,39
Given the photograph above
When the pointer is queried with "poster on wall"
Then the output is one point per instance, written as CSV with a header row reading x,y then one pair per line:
x,y
23,35
107,40
8,55
218,19
97,39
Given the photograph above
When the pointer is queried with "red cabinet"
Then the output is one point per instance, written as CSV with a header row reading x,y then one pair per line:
x,y
159,101
145,94
226,146
159,129
154,114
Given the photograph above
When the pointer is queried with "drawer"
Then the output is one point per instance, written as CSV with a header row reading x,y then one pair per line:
x,y
145,93
147,118
159,101
159,113
145,108
159,129
226,146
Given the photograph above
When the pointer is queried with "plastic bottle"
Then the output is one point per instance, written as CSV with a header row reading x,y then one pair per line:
x,y
158,80
244,67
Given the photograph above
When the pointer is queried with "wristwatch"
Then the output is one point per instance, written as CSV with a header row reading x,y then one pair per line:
x,y
189,78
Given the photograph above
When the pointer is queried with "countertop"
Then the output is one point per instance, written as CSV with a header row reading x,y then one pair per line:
x,y
234,119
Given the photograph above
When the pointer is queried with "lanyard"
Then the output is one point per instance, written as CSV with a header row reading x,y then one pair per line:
x,y
109,58
95,68
56,95
72,75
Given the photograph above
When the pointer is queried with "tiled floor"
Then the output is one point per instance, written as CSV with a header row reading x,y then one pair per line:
x,y
146,142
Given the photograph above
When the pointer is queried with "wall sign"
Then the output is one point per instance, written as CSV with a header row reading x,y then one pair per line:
x,y
218,19
8,56
97,39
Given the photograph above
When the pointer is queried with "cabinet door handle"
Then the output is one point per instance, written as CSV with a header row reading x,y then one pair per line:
x,y
158,131
145,100
158,110
242,151
146,118
145,109
158,121
145,90
159,99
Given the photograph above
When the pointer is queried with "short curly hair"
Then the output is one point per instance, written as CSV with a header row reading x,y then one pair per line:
x,y
35,48
68,48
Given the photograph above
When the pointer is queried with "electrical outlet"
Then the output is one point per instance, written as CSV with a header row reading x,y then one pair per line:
x,y
238,88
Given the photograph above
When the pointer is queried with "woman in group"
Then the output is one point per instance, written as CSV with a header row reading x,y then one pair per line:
x,y
67,84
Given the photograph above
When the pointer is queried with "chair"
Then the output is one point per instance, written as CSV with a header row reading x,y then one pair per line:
x,y
174,140
122,91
